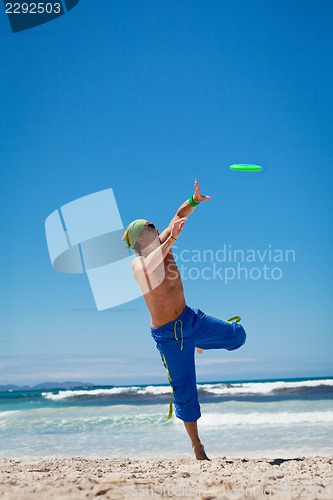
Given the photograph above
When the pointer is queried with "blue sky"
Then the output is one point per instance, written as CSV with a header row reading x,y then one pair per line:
x,y
143,97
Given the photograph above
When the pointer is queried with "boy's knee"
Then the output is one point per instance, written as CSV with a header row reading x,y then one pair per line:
x,y
239,338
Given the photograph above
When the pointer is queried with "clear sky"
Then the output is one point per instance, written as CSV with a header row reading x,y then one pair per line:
x,y
143,97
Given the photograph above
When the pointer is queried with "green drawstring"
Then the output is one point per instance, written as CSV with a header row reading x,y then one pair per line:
x,y
234,318
170,380
170,406
181,332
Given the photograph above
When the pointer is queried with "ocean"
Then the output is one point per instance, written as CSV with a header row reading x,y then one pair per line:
x,y
262,418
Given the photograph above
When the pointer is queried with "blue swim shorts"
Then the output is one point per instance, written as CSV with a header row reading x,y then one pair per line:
x,y
176,342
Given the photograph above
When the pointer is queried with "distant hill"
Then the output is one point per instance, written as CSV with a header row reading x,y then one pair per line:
x,y
45,385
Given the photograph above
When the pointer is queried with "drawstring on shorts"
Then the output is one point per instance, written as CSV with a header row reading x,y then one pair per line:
x,y
236,319
170,380
181,332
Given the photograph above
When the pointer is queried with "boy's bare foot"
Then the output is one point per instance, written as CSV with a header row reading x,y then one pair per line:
x,y
199,451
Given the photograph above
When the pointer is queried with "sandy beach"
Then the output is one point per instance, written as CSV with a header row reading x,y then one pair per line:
x,y
241,478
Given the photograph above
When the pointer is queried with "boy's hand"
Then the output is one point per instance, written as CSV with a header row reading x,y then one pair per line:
x,y
198,197
177,227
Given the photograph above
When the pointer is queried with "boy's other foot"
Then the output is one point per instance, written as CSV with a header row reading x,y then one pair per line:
x,y
199,452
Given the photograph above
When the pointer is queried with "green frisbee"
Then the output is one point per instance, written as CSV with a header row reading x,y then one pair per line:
x,y
246,167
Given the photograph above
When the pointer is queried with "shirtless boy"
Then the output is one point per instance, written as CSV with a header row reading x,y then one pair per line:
x,y
177,328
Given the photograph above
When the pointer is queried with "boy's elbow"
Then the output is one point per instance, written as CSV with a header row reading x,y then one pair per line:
x,y
137,266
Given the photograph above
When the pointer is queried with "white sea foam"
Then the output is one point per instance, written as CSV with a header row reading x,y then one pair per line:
x,y
263,387
92,392
266,418
217,389
214,419
127,391
283,428
9,413
155,389
6,417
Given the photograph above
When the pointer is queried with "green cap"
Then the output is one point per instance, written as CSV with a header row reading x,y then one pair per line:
x,y
132,232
